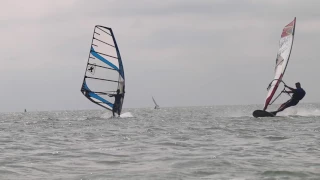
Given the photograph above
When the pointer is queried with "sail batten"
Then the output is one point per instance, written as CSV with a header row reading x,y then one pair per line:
x,y
104,72
102,79
100,27
101,66
104,42
283,56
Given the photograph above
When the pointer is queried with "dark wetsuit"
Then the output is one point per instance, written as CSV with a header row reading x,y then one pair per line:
x,y
298,94
117,102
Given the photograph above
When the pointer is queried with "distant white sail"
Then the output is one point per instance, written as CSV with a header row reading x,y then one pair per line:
x,y
155,103
104,72
283,55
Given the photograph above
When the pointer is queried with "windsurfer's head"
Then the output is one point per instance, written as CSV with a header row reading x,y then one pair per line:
x,y
118,91
298,85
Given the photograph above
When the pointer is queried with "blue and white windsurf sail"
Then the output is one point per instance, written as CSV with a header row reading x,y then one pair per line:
x,y
104,72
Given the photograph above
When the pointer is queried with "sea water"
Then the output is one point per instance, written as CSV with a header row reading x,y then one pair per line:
x,y
217,142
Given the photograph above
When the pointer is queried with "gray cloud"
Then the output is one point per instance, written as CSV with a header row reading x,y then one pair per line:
x,y
183,52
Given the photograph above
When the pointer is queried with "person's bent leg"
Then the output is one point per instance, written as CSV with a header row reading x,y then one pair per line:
x,y
286,105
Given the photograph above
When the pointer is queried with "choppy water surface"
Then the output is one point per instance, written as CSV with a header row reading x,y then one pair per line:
x,y
220,142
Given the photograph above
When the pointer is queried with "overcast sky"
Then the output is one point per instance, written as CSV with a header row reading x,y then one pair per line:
x,y
183,52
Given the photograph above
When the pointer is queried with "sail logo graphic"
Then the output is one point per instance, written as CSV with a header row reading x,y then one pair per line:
x,y
288,30
92,69
284,41
279,61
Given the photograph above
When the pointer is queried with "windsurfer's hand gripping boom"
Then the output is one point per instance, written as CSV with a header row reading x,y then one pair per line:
x,y
291,89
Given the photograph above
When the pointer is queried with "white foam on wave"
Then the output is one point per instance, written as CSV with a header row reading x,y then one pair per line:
x,y
300,111
126,115
108,115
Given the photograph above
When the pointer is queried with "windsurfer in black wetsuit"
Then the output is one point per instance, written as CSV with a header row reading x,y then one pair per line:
x,y
117,102
298,94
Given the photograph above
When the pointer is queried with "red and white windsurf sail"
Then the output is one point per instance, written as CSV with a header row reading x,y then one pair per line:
x,y
285,46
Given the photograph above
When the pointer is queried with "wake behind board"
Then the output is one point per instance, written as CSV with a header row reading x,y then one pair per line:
x,y
262,113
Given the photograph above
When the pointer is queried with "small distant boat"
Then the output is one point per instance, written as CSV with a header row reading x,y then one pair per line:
x,y
155,103
25,110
